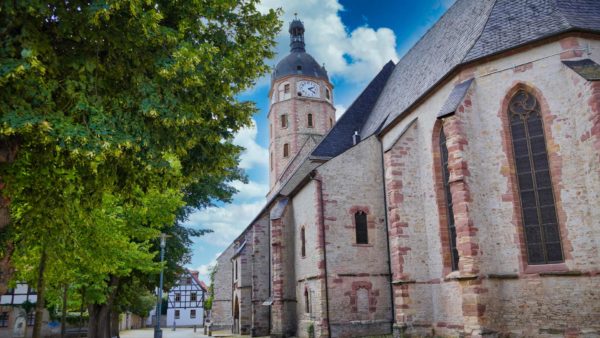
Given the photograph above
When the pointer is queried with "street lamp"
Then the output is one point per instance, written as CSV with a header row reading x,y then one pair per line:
x,y
157,330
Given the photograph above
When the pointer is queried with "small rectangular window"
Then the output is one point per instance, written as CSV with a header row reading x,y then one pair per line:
x,y
286,88
177,314
193,297
192,313
284,121
31,318
310,120
362,232
4,319
286,150
178,297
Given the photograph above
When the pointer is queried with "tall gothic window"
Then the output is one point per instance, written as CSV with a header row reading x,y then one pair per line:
x,y
309,121
303,242
449,205
542,236
362,233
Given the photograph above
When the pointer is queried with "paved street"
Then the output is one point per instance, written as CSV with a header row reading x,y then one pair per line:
x,y
167,333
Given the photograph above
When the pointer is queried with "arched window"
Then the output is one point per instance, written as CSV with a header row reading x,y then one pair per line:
x,y
303,242
284,121
286,150
306,301
330,123
362,233
327,95
542,235
449,205
309,121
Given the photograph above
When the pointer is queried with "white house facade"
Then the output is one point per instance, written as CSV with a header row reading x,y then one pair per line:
x,y
186,301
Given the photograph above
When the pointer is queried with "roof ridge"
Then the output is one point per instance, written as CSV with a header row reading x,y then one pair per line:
x,y
489,14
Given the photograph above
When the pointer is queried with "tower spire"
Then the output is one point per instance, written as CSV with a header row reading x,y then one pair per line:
x,y
296,35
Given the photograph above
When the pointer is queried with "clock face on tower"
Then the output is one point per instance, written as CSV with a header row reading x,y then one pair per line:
x,y
308,89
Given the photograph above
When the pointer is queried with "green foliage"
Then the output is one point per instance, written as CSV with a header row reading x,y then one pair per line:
x,y
211,289
123,114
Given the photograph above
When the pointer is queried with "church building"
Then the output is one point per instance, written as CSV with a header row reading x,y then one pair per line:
x,y
458,195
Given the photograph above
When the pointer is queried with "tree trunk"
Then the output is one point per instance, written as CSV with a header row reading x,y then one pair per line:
x,y
81,307
41,288
114,327
63,319
8,152
100,319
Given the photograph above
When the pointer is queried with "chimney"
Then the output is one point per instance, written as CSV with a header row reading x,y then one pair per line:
x,y
355,138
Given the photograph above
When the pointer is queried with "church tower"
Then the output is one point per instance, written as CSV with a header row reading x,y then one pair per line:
x,y
301,109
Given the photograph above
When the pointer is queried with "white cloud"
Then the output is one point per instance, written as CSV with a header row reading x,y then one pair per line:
x,y
254,154
355,55
227,221
339,111
250,190
204,269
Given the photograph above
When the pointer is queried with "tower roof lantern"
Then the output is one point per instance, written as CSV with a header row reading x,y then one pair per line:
x,y
298,62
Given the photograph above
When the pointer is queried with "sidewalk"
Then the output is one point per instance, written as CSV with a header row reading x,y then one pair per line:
x,y
167,333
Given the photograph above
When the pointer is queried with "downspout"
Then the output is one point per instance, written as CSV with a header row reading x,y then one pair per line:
x,y
387,234
270,274
313,176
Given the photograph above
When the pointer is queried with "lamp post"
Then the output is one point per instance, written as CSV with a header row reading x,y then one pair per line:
x,y
157,330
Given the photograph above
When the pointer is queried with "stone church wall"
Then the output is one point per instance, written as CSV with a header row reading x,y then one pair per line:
x,y
496,289
359,289
260,276
309,268
221,314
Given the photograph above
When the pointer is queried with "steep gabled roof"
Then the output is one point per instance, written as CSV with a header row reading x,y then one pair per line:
x,y
339,138
471,30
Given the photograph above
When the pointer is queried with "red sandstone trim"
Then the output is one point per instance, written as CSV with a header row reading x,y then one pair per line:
x,y
441,200
509,170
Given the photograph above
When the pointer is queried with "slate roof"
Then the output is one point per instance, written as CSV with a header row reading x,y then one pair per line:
x,y
588,69
308,66
455,98
339,138
470,30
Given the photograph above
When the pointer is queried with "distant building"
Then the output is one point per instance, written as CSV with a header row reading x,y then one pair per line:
x,y
13,318
185,306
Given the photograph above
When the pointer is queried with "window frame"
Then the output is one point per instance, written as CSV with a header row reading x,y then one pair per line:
x,y
448,204
4,318
306,301
520,180
177,314
192,313
177,296
284,121
361,227
286,150
309,120
303,242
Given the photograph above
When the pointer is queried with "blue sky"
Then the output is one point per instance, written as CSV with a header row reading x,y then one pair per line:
x,y
354,38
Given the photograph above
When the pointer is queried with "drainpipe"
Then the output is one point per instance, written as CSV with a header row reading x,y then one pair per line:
x,y
387,233
313,176
270,273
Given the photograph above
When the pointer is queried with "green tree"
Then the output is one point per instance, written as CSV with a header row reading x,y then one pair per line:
x,y
118,118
